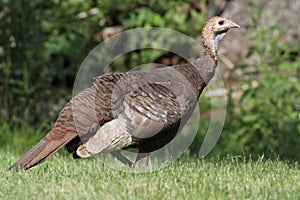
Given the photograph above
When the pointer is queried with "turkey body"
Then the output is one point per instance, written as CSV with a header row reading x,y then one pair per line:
x,y
150,107
141,109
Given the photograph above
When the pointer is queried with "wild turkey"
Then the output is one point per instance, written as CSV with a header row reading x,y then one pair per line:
x,y
132,109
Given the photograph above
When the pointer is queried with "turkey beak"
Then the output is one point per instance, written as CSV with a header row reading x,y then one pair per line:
x,y
231,24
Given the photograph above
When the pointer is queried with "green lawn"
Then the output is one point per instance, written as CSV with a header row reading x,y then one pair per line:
x,y
61,177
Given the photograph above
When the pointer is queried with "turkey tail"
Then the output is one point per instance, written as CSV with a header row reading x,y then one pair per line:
x,y
48,145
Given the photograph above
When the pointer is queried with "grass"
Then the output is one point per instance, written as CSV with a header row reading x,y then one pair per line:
x,y
229,178
61,177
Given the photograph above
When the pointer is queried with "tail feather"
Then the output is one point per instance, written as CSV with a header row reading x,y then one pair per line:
x,y
47,146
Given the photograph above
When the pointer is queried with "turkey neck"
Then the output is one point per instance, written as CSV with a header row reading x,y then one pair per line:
x,y
207,63
211,40
202,70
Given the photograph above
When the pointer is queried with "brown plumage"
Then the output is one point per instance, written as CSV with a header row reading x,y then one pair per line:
x,y
141,109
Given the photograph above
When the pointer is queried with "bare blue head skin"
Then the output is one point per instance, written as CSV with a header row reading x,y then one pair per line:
x,y
213,32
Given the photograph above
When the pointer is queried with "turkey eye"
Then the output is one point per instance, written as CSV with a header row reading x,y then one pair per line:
x,y
221,22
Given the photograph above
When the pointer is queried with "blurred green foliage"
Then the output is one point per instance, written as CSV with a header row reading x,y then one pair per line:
x,y
266,119
43,43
